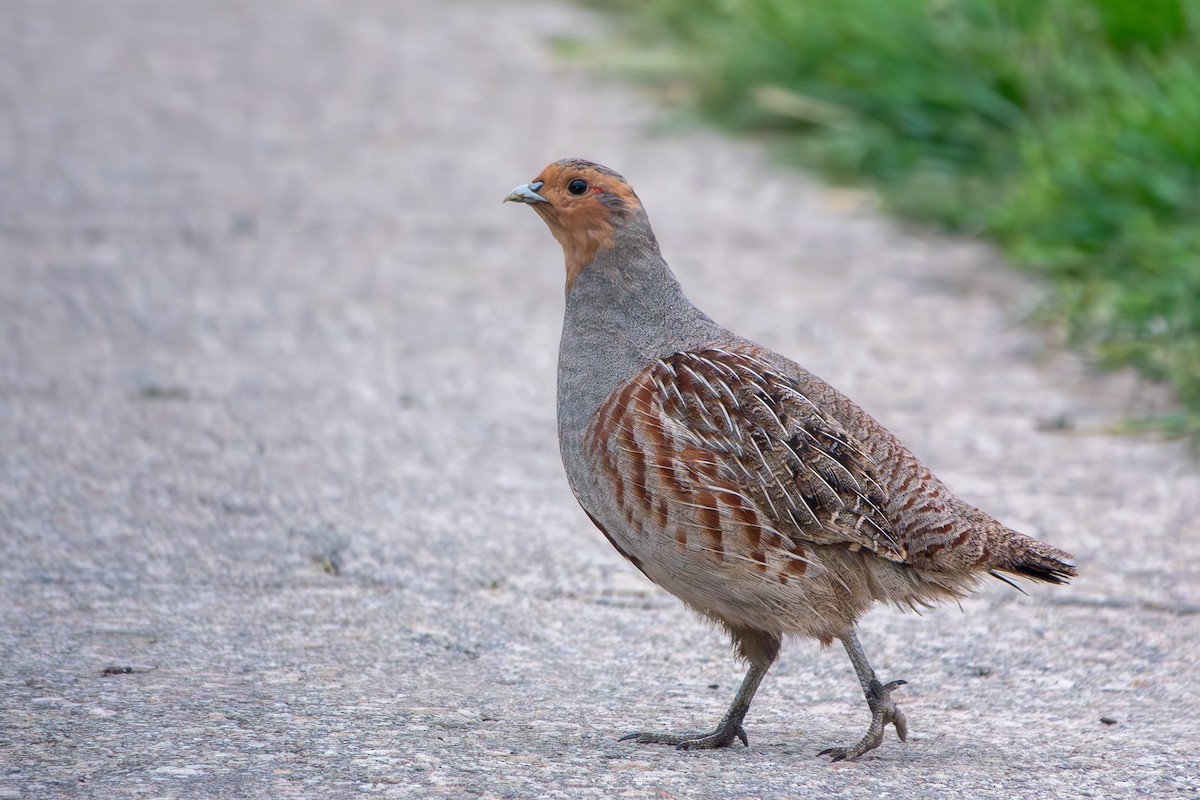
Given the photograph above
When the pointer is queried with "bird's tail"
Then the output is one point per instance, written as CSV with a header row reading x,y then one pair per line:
x,y
1018,554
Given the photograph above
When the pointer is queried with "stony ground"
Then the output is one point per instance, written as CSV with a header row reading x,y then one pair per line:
x,y
281,513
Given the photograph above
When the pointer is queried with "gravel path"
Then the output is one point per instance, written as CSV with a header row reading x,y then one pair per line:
x,y
281,513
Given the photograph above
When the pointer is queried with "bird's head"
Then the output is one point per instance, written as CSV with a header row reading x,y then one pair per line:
x,y
586,206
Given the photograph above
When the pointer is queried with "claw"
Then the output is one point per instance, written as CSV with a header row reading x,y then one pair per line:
x,y
839,754
884,711
718,738
728,729
721,737
900,723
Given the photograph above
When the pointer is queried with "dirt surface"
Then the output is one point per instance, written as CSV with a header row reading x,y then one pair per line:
x,y
282,513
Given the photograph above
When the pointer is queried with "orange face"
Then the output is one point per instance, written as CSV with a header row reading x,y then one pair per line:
x,y
582,203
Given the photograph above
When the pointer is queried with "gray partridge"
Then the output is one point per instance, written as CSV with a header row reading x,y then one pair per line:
x,y
732,477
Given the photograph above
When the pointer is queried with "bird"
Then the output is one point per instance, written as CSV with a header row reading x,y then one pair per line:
x,y
753,491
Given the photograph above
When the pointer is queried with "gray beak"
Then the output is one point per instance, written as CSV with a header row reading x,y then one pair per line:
x,y
526,193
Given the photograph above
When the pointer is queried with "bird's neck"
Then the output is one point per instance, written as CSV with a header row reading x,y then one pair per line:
x,y
624,310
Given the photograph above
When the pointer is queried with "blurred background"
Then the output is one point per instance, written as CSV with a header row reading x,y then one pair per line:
x,y
1063,130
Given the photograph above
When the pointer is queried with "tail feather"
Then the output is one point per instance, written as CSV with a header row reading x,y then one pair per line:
x,y
1018,554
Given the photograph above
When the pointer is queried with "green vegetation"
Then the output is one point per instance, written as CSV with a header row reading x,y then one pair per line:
x,y
1068,131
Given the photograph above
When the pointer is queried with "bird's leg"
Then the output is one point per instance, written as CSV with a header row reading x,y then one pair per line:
x,y
728,729
879,699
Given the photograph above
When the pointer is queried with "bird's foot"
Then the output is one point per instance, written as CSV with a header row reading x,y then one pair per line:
x,y
723,736
883,711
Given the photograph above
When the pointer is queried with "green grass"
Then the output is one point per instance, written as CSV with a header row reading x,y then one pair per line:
x,y
1067,131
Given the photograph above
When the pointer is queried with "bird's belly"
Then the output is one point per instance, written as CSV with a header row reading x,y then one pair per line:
x,y
818,593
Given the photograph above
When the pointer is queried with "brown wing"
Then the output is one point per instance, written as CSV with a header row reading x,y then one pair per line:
x,y
738,447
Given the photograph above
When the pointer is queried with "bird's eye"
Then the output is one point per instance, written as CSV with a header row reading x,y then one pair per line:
x,y
577,186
